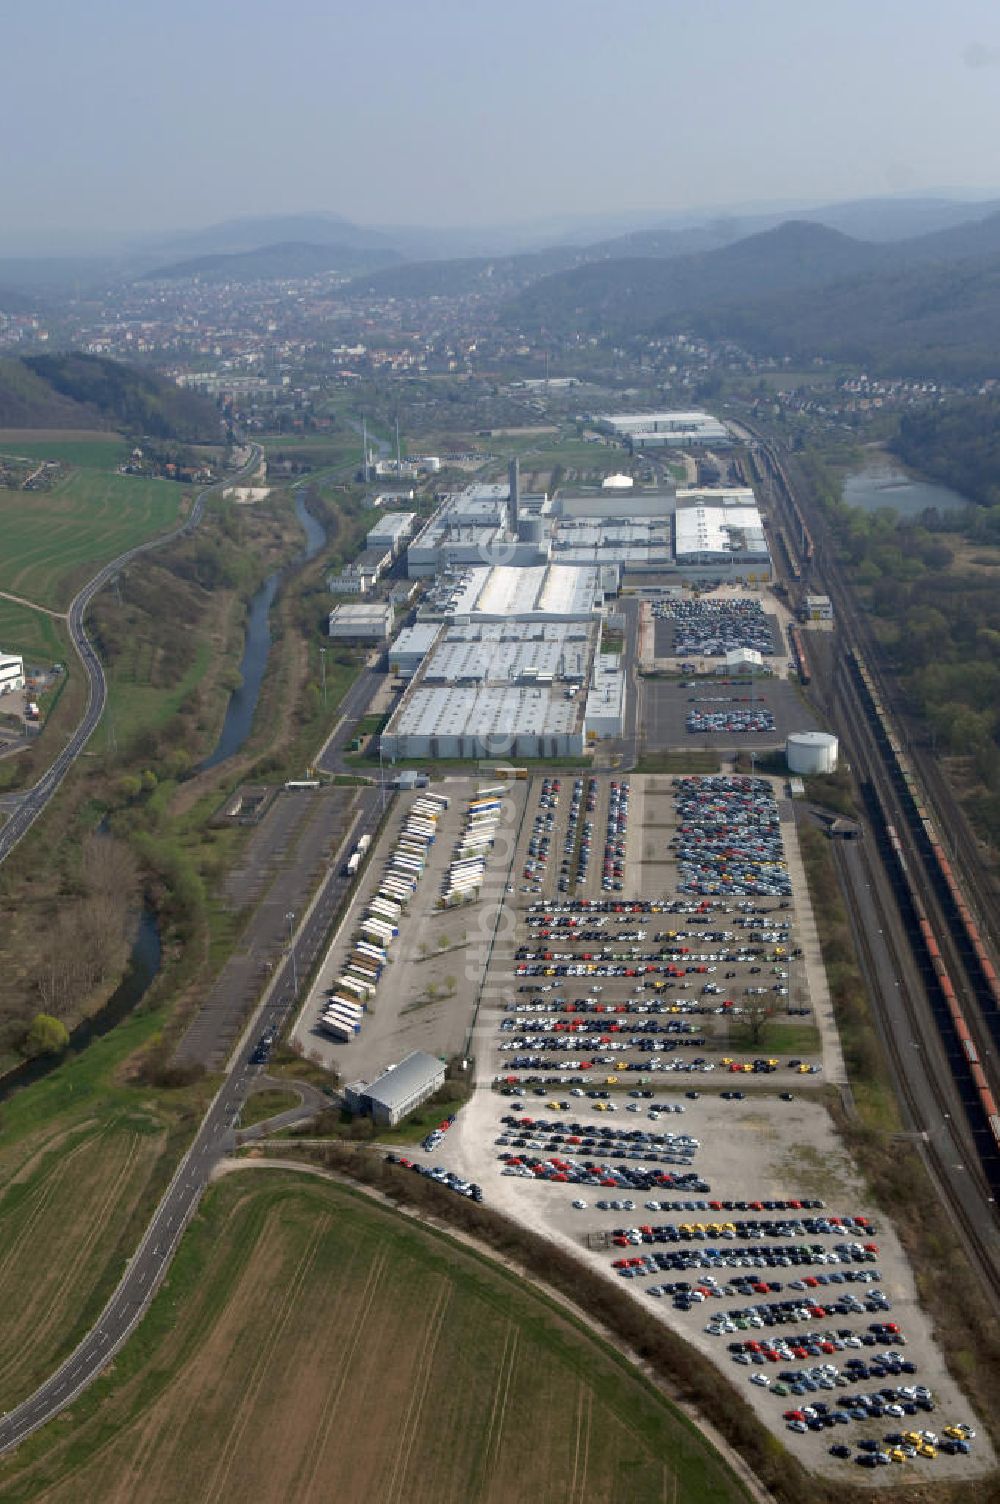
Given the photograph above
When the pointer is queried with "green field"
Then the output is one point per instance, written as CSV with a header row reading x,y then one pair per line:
x,y
83,1158
54,539
103,452
309,1345
40,638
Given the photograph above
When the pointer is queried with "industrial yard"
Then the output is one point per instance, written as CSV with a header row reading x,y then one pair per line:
x,y
653,1043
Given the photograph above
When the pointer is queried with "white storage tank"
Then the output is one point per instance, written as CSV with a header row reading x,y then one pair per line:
x,y
811,752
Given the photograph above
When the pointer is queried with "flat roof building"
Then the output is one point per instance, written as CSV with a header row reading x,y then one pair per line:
x,y
721,528
361,622
663,429
391,531
411,648
484,721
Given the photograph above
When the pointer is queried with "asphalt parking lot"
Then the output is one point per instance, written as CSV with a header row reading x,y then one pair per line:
x,y
667,704
427,992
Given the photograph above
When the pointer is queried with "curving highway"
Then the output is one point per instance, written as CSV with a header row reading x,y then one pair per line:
x,y
35,800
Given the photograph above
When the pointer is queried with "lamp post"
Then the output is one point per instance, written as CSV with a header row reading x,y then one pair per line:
x,y
290,916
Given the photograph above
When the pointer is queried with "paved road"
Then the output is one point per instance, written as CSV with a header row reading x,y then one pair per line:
x,y
352,707
36,799
215,1140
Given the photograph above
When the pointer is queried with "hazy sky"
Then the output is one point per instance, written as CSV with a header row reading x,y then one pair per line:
x,y
139,114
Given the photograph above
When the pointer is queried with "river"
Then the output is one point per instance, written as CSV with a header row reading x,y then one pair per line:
x,y
882,483
257,647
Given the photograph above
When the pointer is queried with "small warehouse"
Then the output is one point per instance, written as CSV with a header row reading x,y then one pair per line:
x,y
398,1090
361,622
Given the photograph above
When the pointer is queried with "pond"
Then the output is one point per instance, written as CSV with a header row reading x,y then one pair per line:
x,y
882,483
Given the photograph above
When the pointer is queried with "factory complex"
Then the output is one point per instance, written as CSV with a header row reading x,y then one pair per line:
x,y
502,655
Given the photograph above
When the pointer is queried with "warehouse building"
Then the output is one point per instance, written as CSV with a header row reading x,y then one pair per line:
x,y
411,648
11,672
634,544
361,622
513,652
606,700
720,533
391,532
522,720
540,592
399,1090
670,430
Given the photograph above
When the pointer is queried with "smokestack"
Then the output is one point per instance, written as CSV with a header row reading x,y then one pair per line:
x,y
514,478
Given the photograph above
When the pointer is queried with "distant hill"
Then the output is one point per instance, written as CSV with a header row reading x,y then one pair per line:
x,y
251,232
74,390
496,275
272,262
627,294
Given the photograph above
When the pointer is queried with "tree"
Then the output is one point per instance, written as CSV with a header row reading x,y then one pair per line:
x,y
47,1036
755,1016
450,984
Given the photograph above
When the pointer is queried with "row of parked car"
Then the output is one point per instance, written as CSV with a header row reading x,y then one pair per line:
x,y
728,839
448,1178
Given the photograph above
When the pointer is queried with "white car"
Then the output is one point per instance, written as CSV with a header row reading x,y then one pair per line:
x,y
580,1206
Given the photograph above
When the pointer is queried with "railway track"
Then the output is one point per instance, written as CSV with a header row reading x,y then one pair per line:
x,y
937,1149
959,990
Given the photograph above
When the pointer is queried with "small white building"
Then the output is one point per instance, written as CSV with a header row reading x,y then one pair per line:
x,y
11,672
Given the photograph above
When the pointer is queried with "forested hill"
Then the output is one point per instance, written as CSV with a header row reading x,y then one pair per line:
x,y
628,294
73,390
923,307
958,445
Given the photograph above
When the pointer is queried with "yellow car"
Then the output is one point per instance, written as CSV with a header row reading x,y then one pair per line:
x,y
772,1061
601,1106
926,1450
746,1069
804,1070
554,1106
914,1438
727,1059
897,1455
611,1080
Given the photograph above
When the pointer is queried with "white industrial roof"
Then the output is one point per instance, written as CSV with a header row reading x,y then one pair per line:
x,y
451,710
662,422
417,639
509,652
719,531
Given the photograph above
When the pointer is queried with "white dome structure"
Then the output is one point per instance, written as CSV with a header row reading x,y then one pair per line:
x,y
811,752
617,483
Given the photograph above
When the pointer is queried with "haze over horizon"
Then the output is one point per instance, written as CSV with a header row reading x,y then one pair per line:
x,y
130,123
